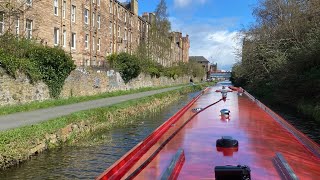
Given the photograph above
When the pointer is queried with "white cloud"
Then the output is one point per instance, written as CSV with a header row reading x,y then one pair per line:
x,y
211,40
185,3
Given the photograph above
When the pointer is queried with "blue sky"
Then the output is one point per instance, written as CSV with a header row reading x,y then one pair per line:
x,y
212,25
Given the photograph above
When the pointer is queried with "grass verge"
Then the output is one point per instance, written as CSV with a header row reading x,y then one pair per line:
x,y
19,144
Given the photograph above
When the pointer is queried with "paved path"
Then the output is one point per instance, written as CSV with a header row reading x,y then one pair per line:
x,y
27,118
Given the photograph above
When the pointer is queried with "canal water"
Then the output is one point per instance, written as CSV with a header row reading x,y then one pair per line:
x,y
89,159
305,125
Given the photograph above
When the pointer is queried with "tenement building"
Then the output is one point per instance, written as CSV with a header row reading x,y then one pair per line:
x,y
87,29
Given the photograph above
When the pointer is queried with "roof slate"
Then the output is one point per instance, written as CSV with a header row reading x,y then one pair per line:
x,y
198,59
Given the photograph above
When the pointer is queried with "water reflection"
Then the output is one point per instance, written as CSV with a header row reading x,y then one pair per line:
x,y
89,160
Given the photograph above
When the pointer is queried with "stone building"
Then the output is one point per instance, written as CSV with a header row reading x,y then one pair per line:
x,y
203,61
87,29
180,47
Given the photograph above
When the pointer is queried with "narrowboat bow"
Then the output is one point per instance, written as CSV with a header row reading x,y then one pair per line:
x,y
239,138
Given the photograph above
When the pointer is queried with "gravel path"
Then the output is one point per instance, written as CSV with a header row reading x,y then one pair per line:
x,y
32,117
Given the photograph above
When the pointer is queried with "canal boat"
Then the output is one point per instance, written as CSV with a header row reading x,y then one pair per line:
x,y
209,138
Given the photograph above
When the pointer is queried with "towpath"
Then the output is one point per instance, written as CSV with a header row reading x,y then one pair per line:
x,y
32,117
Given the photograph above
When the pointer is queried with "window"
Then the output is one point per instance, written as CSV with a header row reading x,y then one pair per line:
x,y
86,14
119,29
110,6
129,35
93,1
73,40
64,9
56,36
98,2
131,38
1,22
125,17
93,43
125,34
55,7
86,40
98,45
110,50
93,17
110,27
73,13
64,38
98,21
17,24
118,13
28,29
29,2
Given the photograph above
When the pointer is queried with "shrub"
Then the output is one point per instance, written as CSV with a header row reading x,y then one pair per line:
x,y
13,64
55,66
127,65
153,72
38,62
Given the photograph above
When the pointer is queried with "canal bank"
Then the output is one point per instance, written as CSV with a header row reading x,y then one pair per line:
x,y
20,144
93,154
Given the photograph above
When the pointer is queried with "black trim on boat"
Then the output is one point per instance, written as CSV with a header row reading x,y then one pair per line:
x,y
227,142
240,172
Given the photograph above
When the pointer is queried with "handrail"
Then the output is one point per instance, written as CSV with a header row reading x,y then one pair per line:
x,y
283,168
303,139
173,170
120,167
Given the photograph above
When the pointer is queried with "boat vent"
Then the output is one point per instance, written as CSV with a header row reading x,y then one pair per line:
x,y
227,142
240,172
225,112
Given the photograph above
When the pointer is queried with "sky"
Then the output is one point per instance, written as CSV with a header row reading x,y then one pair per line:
x,y
212,25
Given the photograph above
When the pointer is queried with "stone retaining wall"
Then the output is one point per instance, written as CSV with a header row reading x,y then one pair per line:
x,y
81,82
20,90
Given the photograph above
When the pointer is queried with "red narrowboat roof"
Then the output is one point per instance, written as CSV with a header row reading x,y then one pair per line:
x,y
259,135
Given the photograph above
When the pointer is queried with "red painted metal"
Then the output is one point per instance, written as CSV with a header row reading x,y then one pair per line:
x,y
259,132
119,168
305,140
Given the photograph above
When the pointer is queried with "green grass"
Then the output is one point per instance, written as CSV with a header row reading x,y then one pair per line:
x,y
4,110
16,143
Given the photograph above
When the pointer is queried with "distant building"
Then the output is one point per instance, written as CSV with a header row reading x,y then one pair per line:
x,y
213,67
180,47
203,61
